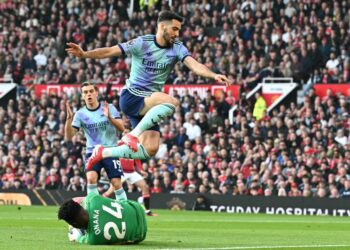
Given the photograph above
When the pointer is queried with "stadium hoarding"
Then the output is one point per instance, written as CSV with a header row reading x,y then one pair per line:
x,y
69,89
215,203
15,199
321,89
201,89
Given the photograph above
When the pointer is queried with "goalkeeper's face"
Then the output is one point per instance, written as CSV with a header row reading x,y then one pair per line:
x,y
81,220
74,214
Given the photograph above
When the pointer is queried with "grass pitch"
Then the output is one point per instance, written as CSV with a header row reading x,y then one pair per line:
x,y
37,227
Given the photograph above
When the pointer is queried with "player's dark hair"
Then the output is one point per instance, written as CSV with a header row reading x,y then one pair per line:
x,y
69,211
167,15
87,83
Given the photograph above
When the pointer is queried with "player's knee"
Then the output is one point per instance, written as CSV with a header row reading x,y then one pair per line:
x,y
116,184
175,102
145,189
91,179
152,151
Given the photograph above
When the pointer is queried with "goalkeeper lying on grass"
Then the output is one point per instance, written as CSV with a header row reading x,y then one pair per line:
x,y
100,221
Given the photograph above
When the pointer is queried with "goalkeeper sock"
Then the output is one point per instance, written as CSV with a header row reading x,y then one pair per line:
x,y
124,151
153,117
92,189
120,194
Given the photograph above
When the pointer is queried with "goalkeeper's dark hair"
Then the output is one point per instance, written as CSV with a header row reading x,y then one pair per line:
x,y
69,211
167,15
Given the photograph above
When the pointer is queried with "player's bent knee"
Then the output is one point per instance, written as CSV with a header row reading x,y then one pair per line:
x,y
91,177
175,102
145,189
116,183
152,151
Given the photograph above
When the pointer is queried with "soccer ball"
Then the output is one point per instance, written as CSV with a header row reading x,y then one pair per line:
x,y
140,201
75,233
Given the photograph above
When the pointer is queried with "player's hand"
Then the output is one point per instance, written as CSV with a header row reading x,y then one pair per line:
x,y
69,112
106,109
222,79
75,50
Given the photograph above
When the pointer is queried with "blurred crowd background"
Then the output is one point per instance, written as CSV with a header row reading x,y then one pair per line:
x,y
246,40
295,150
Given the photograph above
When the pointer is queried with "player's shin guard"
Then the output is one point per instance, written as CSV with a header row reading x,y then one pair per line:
x,y
153,117
92,189
120,194
125,152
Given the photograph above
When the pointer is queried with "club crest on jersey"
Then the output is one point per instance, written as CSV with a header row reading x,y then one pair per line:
x,y
130,43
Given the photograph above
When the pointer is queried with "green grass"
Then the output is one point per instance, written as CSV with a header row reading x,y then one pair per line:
x,y
38,228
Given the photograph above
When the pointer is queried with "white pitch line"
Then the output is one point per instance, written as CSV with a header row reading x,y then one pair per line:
x,y
256,247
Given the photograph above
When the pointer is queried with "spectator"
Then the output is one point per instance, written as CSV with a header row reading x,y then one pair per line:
x,y
259,106
192,130
200,204
345,191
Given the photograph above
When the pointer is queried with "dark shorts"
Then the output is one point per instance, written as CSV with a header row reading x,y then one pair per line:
x,y
111,165
131,105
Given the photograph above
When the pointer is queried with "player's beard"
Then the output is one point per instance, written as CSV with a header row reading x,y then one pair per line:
x,y
167,38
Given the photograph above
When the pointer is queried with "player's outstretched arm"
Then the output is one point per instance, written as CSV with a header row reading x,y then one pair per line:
x,y
69,131
202,70
76,50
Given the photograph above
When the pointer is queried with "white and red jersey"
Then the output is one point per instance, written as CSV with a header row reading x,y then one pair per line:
x,y
130,165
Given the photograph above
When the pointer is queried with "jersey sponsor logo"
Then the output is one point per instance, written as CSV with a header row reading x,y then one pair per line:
x,y
154,67
96,126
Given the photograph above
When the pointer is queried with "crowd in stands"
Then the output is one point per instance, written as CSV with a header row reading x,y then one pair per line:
x,y
296,150
244,39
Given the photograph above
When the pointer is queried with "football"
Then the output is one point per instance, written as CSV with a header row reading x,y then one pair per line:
x,y
75,233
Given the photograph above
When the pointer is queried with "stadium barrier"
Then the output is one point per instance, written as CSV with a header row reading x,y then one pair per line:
x,y
69,89
214,203
321,89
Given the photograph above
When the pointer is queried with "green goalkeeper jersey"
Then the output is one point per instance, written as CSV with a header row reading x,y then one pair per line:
x,y
113,222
